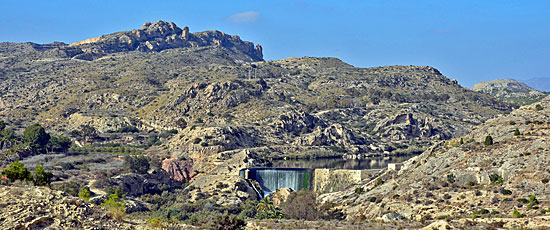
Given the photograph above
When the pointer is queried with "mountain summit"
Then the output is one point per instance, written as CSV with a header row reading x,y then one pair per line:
x,y
152,37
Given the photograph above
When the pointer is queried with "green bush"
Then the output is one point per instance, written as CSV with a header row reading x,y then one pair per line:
x,y
84,194
379,181
17,171
505,192
539,107
41,177
496,179
516,132
59,143
115,207
226,221
266,210
517,214
358,190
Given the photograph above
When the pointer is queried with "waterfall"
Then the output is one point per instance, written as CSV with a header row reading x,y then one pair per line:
x,y
272,179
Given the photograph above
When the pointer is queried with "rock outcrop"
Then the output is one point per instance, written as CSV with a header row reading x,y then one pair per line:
x,y
159,36
179,170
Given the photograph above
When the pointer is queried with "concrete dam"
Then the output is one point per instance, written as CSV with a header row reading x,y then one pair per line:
x,y
319,180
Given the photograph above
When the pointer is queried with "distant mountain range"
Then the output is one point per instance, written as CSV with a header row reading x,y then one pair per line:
x,y
541,83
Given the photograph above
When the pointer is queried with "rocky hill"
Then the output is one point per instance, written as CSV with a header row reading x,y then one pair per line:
x,y
468,180
510,90
204,105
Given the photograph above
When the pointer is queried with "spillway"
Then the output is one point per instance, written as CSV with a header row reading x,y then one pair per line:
x,y
272,179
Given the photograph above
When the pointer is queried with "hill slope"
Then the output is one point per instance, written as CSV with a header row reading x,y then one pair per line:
x,y
461,180
202,102
510,90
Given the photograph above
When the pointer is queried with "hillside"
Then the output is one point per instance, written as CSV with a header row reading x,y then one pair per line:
x,y
510,90
463,178
204,105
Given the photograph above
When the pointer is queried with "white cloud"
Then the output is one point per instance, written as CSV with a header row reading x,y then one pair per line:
x,y
244,17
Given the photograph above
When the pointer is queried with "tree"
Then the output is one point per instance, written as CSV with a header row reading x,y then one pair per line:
x,y
41,177
36,137
8,138
488,140
17,171
88,133
59,143
137,164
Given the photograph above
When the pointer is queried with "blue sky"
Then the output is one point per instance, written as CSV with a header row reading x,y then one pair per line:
x,y
468,40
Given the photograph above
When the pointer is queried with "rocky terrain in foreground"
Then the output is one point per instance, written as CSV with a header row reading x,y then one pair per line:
x,y
468,180
29,207
510,90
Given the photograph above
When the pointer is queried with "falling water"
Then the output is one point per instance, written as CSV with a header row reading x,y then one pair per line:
x,y
272,179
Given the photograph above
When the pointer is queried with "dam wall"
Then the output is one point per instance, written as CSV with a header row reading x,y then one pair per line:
x,y
318,180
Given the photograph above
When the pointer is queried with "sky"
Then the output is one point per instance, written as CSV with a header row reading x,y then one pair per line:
x,y
468,40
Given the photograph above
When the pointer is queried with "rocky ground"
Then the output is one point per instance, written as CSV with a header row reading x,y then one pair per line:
x,y
30,207
465,181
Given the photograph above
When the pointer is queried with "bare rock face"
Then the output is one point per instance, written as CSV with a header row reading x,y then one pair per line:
x,y
179,170
159,36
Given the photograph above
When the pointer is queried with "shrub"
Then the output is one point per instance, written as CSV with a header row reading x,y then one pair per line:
x,y
41,177
516,132
226,221
84,194
379,181
248,209
539,107
128,129
488,140
266,210
301,205
197,140
358,190
505,192
115,207
181,123
517,214
496,179
17,171
533,200
451,178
